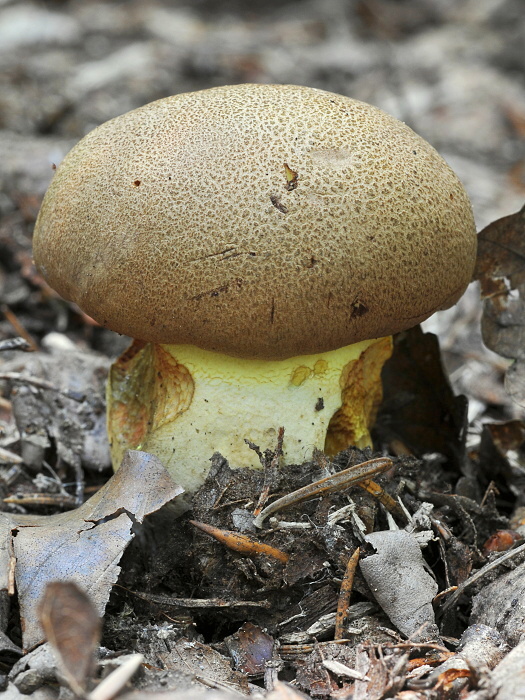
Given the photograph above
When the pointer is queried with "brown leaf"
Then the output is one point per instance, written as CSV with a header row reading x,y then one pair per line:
x,y
419,406
501,254
502,456
72,626
83,545
250,649
500,268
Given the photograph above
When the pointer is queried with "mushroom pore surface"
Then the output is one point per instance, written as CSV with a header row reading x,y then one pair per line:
x,y
260,221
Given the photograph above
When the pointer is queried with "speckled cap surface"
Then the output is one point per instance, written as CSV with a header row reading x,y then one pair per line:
x,y
256,220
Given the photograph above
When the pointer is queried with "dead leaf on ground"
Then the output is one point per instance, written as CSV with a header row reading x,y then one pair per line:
x,y
502,456
205,664
419,407
500,269
403,588
72,626
314,678
250,649
385,674
83,545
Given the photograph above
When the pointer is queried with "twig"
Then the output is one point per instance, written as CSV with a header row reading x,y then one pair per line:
x,y
57,500
344,595
245,544
199,603
290,650
335,482
219,685
117,679
479,574
343,670
19,328
416,645
8,457
379,493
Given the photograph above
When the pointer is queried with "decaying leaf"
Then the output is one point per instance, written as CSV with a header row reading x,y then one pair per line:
x,y
250,649
72,626
480,648
502,457
205,665
384,674
501,254
84,545
401,584
314,678
419,407
500,270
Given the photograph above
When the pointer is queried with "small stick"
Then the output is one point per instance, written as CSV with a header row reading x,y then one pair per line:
x,y
479,574
43,499
242,543
335,482
291,650
19,328
379,493
344,595
416,645
198,603
6,456
343,670
117,679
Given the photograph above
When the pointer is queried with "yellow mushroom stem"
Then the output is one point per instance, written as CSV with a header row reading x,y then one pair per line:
x,y
183,404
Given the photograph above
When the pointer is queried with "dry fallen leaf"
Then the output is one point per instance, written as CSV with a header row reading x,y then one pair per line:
x,y
250,648
205,665
419,407
500,269
402,586
83,545
72,626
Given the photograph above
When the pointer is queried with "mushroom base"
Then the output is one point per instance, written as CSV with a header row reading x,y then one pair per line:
x,y
183,404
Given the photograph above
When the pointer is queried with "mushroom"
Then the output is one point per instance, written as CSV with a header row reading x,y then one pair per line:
x,y
261,243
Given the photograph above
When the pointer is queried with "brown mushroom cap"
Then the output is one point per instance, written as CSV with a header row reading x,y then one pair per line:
x,y
256,220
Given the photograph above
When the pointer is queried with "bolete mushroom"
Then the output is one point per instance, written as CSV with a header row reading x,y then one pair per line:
x,y
261,243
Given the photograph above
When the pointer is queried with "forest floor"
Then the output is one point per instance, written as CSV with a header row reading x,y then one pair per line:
x,y
204,617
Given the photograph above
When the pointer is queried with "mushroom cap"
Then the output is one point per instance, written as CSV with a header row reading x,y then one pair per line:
x,y
261,221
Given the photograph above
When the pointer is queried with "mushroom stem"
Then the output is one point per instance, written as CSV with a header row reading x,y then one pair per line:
x,y
183,404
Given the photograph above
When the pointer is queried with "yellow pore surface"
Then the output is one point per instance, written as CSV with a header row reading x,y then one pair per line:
x,y
183,404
